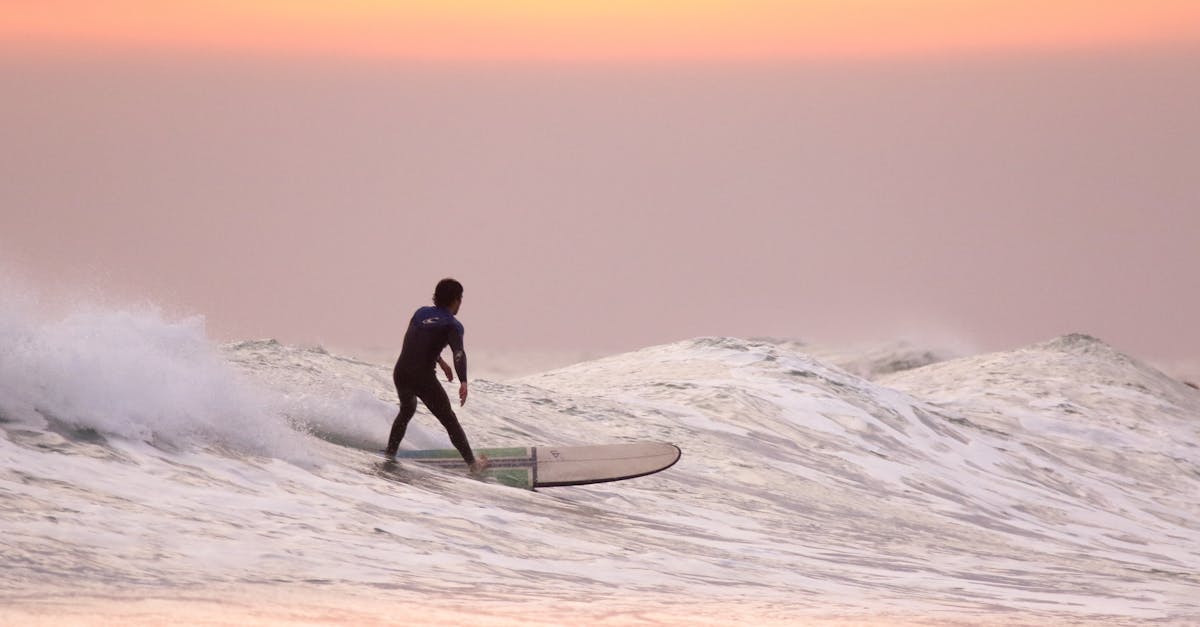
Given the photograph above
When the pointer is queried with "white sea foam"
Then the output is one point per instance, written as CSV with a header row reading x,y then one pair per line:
x,y
1054,483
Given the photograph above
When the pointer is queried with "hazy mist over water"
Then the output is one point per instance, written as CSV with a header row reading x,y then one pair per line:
x,y
992,201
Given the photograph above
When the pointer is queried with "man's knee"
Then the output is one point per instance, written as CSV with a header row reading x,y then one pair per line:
x,y
439,406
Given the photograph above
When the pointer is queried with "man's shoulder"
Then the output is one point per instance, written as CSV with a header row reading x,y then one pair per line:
x,y
436,317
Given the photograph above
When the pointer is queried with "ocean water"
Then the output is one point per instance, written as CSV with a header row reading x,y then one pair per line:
x,y
149,475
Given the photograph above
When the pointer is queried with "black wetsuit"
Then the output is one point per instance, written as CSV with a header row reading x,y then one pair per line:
x,y
429,331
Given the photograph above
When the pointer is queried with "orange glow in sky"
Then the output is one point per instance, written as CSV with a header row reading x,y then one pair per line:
x,y
594,30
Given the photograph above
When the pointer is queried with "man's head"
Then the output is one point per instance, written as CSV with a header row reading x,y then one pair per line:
x,y
448,295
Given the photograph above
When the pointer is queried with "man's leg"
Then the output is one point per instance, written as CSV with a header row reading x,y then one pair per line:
x,y
438,403
408,407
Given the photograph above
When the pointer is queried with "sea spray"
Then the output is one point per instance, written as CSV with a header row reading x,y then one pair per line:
x,y
135,374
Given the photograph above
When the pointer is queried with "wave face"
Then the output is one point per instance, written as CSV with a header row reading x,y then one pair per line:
x,y
1060,482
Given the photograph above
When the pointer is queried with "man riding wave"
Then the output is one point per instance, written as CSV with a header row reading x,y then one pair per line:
x,y
430,330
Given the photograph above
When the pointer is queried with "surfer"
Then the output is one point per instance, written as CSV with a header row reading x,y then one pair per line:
x,y
431,330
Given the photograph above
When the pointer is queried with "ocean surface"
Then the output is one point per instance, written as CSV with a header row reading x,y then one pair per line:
x,y
149,475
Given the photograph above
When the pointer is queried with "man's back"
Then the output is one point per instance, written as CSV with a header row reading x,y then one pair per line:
x,y
431,330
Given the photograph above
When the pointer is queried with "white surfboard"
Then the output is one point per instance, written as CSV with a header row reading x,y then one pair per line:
x,y
550,466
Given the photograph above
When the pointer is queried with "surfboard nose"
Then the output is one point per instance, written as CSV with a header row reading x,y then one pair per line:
x,y
581,465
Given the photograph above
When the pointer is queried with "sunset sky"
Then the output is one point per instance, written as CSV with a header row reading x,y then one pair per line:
x,y
630,30
608,175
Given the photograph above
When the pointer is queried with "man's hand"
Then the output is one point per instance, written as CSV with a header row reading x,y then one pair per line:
x,y
446,369
462,393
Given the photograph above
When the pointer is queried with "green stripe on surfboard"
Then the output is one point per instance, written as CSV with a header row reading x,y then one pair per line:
x,y
515,477
512,466
492,453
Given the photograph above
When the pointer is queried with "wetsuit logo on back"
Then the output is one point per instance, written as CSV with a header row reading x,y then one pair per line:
x,y
433,320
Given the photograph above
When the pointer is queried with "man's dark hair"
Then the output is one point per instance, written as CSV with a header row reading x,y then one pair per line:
x,y
446,292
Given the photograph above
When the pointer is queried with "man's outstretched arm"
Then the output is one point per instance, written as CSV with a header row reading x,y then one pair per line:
x,y
460,363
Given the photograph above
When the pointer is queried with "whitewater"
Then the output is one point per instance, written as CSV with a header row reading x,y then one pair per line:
x,y
150,475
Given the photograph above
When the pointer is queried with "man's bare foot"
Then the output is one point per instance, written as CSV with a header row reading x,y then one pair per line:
x,y
481,464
